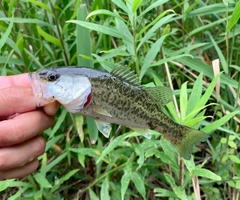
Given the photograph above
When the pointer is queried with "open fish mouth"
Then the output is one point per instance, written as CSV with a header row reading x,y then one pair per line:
x,y
39,89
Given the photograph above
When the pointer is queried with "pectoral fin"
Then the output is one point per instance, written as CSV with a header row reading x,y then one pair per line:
x,y
104,127
144,132
101,111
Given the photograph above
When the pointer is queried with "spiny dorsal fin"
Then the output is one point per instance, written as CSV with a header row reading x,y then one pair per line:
x,y
125,74
160,94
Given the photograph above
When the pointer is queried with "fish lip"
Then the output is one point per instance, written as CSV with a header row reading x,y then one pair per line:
x,y
37,89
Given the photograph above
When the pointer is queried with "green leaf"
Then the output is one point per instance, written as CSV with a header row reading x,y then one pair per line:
x,y
125,180
155,49
92,129
113,144
86,151
183,100
136,4
207,93
177,189
216,124
160,192
220,54
194,4
195,94
206,173
223,140
152,6
53,140
151,24
92,195
25,20
42,5
50,165
63,179
234,158
140,152
40,178
68,175
168,149
49,37
15,61
5,184
100,28
121,5
79,119
5,35
232,144
83,39
139,183
58,123
152,30
208,10
17,194
122,27
104,12
81,159
162,156
235,17
104,190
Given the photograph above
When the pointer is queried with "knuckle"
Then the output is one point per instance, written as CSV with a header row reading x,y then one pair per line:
x,y
40,146
3,161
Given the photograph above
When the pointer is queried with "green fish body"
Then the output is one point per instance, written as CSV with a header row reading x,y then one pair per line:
x,y
115,97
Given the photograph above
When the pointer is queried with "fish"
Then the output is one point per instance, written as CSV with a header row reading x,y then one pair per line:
x,y
116,97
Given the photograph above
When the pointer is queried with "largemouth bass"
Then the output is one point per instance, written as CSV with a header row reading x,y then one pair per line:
x,y
115,97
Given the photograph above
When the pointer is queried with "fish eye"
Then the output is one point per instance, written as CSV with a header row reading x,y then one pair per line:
x,y
53,77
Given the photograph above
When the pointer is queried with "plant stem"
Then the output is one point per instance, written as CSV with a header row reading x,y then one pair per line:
x,y
135,46
59,34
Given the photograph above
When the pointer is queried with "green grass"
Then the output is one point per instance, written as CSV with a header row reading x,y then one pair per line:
x,y
165,42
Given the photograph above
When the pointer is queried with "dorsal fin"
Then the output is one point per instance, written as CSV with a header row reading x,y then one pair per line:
x,y
160,94
126,74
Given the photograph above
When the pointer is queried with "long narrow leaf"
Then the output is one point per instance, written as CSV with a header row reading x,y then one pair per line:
x,y
49,37
214,125
235,17
155,49
100,28
5,35
207,93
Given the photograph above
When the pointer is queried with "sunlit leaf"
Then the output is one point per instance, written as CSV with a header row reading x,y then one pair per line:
x,y
177,189
104,189
42,180
125,180
49,37
139,183
235,17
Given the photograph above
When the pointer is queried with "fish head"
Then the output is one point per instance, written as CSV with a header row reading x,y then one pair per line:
x,y
64,85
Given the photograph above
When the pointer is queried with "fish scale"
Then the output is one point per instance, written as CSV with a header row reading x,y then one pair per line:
x,y
125,103
116,97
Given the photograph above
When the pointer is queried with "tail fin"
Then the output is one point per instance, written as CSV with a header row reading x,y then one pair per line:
x,y
190,138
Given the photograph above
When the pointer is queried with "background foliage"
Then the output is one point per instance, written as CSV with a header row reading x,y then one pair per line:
x,y
182,44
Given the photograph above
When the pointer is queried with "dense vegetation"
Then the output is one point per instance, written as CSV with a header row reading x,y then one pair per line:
x,y
190,46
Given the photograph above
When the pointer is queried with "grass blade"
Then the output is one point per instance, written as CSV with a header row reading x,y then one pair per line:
x,y
100,28
235,17
84,46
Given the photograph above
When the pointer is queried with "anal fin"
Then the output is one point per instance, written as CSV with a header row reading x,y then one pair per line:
x,y
104,127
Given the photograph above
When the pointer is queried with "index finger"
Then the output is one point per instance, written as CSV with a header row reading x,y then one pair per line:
x,y
16,80
16,99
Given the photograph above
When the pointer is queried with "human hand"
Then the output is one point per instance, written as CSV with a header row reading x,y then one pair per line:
x,y
20,125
